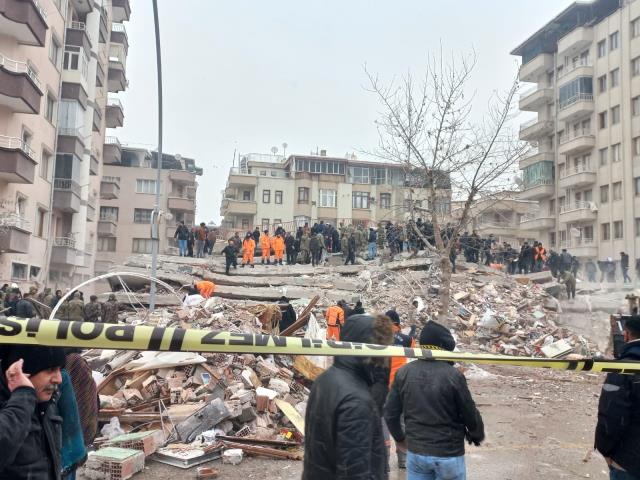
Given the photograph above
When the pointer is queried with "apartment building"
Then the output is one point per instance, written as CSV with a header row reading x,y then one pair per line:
x,y
267,190
127,193
500,217
584,167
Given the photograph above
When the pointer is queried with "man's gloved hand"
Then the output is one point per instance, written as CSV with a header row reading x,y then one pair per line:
x,y
471,440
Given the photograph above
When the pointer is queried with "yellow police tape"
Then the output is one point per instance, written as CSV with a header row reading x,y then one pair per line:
x,y
128,337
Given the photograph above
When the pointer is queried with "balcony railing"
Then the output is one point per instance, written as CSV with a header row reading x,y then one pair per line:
x,y
538,182
108,217
112,141
66,184
580,205
571,67
579,97
78,26
528,217
15,142
14,220
70,131
120,28
108,179
530,123
495,224
64,242
576,170
581,132
528,91
20,67
114,102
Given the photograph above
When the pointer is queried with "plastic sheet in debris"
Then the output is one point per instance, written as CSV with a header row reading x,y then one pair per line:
x,y
155,360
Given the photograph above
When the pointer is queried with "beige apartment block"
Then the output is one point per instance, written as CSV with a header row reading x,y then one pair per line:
x,y
127,200
31,42
268,190
584,167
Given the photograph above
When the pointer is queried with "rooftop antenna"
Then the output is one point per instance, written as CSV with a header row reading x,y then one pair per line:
x,y
284,148
274,150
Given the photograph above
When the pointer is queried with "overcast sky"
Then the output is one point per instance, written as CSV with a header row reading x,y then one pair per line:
x,y
250,75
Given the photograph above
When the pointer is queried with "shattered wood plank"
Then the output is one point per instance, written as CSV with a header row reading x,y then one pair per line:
x,y
303,319
307,368
258,441
265,451
292,414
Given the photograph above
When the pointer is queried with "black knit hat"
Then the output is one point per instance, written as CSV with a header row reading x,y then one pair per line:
x,y
393,315
435,335
36,358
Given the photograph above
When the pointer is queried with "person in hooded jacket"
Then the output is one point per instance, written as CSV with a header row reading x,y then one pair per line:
x,y
343,430
618,428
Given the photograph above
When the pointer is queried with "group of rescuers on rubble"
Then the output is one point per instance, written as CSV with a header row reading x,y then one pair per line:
x,y
49,408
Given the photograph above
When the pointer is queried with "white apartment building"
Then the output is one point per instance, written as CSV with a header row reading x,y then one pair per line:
x,y
584,168
268,190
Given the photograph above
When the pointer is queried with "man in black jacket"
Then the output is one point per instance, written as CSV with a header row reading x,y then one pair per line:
x,y
351,249
438,412
182,235
231,255
343,429
618,429
24,308
624,266
30,426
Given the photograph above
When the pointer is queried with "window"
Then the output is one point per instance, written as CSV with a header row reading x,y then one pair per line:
x,y
636,186
75,59
635,106
142,245
385,201
602,120
635,67
277,222
274,173
303,195
246,195
617,229
49,107
636,145
603,154
617,191
580,88
552,207
45,165
602,48
606,231
604,194
552,239
141,215
602,84
360,200
41,220
54,51
615,77
616,155
109,214
635,27
328,198
145,186
34,272
359,175
278,197
637,227
614,40
379,176
266,196
245,223
263,173
265,224
106,244
587,233
615,115
18,271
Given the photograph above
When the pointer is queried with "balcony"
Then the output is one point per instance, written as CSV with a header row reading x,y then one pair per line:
x,y
77,36
577,177
23,20
107,227
536,97
539,65
63,253
116,78
498,229
181,204
82,7
583,248
20,88
534,129
97,118
575,41
238,207
109,188
66,195
114,113
535,155
121,10
94,165
182,177
119,35
112,151
541,188
578,212
17,161
241,179
91,212
15,233
576,142
537,221
572,71
70,141
577,106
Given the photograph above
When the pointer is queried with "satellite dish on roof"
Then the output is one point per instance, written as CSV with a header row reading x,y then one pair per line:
x,y
274,150
178,156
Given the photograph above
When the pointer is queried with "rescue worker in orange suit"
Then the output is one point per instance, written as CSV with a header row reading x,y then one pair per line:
x,y
249,247
278,248
540,255
205,288
335,322
399,340
265,246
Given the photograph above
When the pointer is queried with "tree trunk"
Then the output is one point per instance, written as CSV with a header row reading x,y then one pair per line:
x,y
445,291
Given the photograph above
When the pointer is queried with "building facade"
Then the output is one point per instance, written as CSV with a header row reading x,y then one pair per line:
x,y
127,195
268,190
584,166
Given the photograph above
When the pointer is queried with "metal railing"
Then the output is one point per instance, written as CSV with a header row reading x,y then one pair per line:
x,y
573,66
240,171
112,141
64,242
581,132
531,216
120,28
108,179
535,121
18,143
66,184
580,205
579,97
78,26
108,217
533,89
16,66
576,170
114,102
538,182
14,220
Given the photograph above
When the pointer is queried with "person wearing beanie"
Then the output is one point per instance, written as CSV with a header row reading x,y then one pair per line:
x,y
439,413
30,424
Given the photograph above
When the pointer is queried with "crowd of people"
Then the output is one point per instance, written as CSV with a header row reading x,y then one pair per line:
x,y
195,241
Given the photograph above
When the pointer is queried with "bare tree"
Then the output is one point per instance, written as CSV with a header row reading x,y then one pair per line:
x,y
427,126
